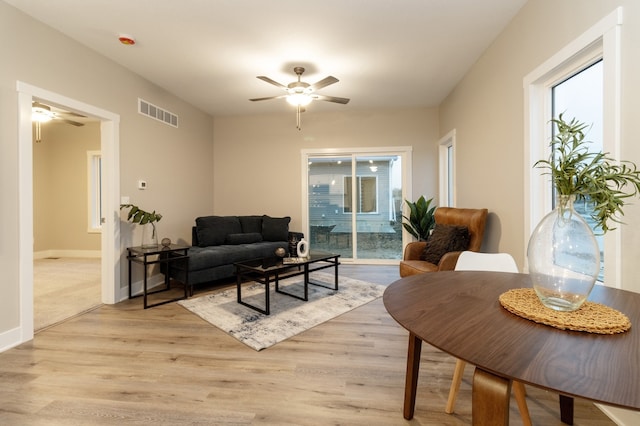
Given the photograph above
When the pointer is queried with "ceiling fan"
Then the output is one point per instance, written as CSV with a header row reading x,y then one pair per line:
x,y
41,113
300,93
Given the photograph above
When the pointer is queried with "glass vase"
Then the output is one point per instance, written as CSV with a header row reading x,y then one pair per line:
x,y
563,257
149,235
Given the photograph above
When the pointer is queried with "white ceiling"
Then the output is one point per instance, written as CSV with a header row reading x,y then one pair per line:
x,y
386,53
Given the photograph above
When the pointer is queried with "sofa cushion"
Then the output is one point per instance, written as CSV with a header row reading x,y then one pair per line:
x,y
275,228
251,224
445,239
213,230
248,238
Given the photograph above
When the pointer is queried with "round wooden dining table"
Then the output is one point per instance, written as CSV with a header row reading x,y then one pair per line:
x,y
459,313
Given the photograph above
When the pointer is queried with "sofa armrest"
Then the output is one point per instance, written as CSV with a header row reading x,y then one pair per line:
x,y
194,237
295,235
414,250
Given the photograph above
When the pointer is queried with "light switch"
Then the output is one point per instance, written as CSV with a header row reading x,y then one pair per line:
x,y
142,184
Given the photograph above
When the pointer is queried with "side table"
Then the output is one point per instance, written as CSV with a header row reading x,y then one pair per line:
x,y
172,256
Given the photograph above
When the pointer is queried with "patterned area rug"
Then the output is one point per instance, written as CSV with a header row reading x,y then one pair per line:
x,y
289,316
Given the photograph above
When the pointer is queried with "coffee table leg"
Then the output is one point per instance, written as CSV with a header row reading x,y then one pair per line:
x,y
411,381
490,399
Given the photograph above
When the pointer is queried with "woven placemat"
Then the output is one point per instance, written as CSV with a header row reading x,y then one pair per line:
x,y
591,317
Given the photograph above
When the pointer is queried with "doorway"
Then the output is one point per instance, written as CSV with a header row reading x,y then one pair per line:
x,y
110,240
67,237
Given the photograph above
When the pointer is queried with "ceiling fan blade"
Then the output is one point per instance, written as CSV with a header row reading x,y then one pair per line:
x,y
275,83
324,83
73,123
73,114
268,97
331,99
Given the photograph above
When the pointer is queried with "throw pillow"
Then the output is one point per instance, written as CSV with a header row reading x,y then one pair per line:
x,y
248,238
275,228
445,239
251,224
213,230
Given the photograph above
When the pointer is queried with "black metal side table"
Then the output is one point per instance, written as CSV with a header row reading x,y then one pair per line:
x,y
172,256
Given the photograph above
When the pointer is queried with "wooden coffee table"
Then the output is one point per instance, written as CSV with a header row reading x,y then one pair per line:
x,y
267,270
459,313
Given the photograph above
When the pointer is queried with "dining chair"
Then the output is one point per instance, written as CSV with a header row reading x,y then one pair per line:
x,y
501,262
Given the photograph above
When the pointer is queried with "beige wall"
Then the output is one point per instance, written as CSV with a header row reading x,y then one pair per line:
x,y
487,111
60,188
257,160
177,163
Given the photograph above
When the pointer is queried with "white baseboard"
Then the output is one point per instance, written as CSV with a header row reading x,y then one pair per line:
x,y
10,338
621,416
93,254
154,281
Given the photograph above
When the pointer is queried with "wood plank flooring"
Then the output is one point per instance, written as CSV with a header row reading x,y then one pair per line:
x,y
120,364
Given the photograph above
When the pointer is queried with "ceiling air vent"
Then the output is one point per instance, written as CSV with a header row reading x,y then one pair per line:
x,y
157,113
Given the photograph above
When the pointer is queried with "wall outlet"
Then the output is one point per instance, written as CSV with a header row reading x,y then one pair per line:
x,y
142,184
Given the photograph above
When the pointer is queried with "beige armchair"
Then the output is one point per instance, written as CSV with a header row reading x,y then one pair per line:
x,y
475,221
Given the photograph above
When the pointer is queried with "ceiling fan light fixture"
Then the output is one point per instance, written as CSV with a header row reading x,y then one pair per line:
x,y
299,99
41,115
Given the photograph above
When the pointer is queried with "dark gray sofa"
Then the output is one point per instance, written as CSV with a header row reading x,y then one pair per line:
x,y
220,241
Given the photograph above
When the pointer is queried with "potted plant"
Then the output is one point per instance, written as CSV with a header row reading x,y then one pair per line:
x,y
421,219
147,220
563,255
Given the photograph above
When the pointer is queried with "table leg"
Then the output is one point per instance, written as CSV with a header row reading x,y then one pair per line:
x,y
490,399
566,409
411,381
144,286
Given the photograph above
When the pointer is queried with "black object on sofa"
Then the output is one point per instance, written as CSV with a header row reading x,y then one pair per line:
x,y
220,241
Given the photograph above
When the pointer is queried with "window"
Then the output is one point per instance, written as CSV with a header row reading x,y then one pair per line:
x,y
580,97
447,170
94,186
366,194
551,89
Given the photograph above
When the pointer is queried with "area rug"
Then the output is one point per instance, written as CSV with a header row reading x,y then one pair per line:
x,y
289,316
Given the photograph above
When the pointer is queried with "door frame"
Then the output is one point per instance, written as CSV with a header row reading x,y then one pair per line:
x,y
110,237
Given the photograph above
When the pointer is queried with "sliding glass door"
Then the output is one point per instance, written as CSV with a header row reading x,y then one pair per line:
x,y
355,205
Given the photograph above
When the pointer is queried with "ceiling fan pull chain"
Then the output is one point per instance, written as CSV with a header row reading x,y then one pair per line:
x,y
298,124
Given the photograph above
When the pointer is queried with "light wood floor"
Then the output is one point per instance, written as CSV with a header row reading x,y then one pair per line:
x,y
64,287
120,364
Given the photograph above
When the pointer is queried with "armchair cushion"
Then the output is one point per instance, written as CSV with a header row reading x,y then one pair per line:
x,y
444,239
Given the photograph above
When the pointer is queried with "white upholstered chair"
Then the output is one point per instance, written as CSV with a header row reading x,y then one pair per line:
x,y
502,262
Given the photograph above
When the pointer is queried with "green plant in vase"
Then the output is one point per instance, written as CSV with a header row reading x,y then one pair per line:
x,y
146,220
594,177
421,219
563,255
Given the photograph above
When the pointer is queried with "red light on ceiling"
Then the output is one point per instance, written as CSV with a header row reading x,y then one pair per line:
x,y
126,40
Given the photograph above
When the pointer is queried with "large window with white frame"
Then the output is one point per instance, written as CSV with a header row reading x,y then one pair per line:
x,y
353,200
590,65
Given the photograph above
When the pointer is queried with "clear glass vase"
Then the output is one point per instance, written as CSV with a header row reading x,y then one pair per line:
x,y
149,235
563,257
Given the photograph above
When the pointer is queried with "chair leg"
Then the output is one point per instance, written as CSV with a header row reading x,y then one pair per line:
x,y
520,393
455,386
